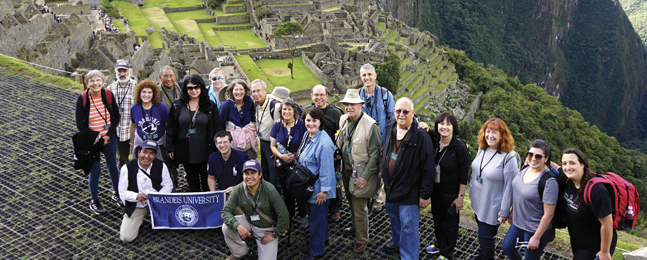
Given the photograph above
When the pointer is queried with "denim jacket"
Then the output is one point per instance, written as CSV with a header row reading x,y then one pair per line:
x,y
318,156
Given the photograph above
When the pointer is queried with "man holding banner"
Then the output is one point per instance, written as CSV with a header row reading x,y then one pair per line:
x,y
265,215
139,177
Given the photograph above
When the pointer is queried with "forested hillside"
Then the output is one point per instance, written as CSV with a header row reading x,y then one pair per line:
x,y
584,52
637,12
531,114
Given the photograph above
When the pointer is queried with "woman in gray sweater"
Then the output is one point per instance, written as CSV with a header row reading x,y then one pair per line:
x,y
493,169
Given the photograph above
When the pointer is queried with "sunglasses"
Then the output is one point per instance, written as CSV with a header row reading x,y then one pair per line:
x,y
219,78
537,156
403,112
193,88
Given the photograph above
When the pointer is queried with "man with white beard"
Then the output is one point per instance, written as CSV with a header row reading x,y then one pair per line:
x,y
122,89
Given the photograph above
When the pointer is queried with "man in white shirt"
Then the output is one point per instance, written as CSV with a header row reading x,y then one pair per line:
x,y
139,177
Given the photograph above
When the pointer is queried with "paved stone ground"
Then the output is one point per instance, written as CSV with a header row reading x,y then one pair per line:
x,y
44,202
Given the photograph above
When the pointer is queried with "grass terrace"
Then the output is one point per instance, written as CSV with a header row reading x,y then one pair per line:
x,y
278,73
189,15
221,13
209,34
232,5
381,26
422,89
241,39
422,102
391,37
138,22
173,3
331,9
306,3
119,24
252,70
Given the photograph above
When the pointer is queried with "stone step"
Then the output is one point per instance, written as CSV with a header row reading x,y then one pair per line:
x,y
232,2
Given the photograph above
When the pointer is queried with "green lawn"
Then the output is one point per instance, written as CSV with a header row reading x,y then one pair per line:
x,y
414,82
252,71
422,102
230,25
392,34
138,22
158,18
221,13
404,62
191,28
408,77
229,5
385,34
399,53
241,39
189,15
173,3
422,89
279,74
120,25
351,48
331,9
308,3
381,26
209,35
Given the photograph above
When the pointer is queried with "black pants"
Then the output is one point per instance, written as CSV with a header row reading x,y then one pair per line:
x,y
287,196
123,151
445,224
172,167
196,176
335,204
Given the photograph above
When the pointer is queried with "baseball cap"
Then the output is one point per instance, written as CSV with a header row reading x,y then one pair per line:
x,y
149,145
122,64
252,165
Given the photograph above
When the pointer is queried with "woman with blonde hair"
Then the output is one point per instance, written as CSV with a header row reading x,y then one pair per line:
x,y
495,166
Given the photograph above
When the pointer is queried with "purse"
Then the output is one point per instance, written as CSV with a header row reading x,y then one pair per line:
x,y
301,182
373,184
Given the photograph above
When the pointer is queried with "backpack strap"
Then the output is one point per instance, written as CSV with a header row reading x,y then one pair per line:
x,y
108,96
510,155
542,183
272,104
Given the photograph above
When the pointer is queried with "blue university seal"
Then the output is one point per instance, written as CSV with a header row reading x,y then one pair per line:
x,y
186,215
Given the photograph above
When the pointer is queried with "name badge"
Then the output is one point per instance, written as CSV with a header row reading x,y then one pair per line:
x,y
348,149
192,131
106,126
121,110
148,137
255,217
258,133
479,179
437,180
394,156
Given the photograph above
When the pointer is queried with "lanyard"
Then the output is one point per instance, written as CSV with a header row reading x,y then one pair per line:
x,y
147,122
258,192
172,93
262,115
372,107
123,97
289,134
304,144
95,107
488,162
197,110
445,151
145,173
352,129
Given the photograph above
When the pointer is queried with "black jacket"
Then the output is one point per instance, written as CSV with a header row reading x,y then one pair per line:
x,y
415,168
215,125
454,165
83,112
86,152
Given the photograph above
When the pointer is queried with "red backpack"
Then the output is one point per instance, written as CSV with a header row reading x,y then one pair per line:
x,y
624,196
108,96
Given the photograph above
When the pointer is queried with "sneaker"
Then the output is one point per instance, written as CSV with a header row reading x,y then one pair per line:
x,y
116,198
304,222
377,206
334,217
441,257
432,249
96,207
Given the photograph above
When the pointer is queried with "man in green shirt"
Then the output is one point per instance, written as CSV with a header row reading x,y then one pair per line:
x,y
360,142
265,215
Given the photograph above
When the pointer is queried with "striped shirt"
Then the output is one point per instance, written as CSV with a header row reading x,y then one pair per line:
x,y
124,96
99,116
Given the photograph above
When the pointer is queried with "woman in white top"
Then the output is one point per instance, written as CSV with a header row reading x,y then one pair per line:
x,y
493,169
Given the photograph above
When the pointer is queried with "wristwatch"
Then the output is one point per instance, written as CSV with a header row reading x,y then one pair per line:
x,y
274,235
461,195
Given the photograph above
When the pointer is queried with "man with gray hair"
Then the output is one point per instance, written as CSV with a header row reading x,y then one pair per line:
x,y
266,112
122,89
168,86
379,105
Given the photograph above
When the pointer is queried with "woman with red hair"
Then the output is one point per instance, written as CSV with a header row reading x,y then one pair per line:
x,y
493,169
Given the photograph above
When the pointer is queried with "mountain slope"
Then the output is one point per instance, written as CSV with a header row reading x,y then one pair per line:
x,y
584,52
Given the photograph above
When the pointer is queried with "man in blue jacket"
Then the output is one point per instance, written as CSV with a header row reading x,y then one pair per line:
x,y
408,171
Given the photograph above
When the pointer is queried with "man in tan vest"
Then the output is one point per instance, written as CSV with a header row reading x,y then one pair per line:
x,y
360,140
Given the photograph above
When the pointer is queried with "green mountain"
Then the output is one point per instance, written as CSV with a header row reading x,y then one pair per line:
x,y
584,52
637,12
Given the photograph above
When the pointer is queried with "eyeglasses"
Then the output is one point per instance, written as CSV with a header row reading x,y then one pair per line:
x,y
319,95
403,112
166,76
536,155
193,88
218,78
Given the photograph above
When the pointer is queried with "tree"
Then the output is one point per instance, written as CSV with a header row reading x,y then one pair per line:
x,y
214,4
262,12
388,73
110,10
289,29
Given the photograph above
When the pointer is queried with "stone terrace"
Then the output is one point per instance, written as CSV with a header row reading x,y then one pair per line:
x,y
44,201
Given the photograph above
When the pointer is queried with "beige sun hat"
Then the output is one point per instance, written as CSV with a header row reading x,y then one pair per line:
x,y
280,93
352,97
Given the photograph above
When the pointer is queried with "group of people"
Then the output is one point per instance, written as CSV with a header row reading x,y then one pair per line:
x,y
375,148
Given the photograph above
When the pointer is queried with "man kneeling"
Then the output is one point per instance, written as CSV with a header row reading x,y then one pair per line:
x,y
266,216
139,177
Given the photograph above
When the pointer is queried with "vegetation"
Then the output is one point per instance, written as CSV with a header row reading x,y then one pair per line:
x,y
214,4
15,67
289,29
531,113
276,71
110,10
582,52
388,73
637,12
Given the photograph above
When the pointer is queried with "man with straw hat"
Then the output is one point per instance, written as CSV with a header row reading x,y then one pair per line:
x,y
360,140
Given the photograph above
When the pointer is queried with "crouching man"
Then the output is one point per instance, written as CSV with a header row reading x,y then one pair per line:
x,y
139,177
266,216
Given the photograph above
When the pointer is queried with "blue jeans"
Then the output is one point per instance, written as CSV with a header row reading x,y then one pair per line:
x,y
510,241
318,227
404,229
110,152
486,235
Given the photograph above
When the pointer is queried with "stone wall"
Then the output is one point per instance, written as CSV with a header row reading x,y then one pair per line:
x,y
137,2
280,43
232,19
293,8
324,4
315,70
181,9
211,20
162,60
140,58
234,9
6,6
69,9
276,2
13,34
474,108
231,28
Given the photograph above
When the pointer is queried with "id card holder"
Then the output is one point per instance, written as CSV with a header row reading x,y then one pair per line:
x,y
479,179
121,110
437,180
258,133
192,131
348,149
255,217
106,126
148,137
394,156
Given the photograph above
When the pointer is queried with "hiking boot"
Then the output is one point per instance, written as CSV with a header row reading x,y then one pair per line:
x,y
432,249
116,198
303,223
377,206
391,248
334,217
96,207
